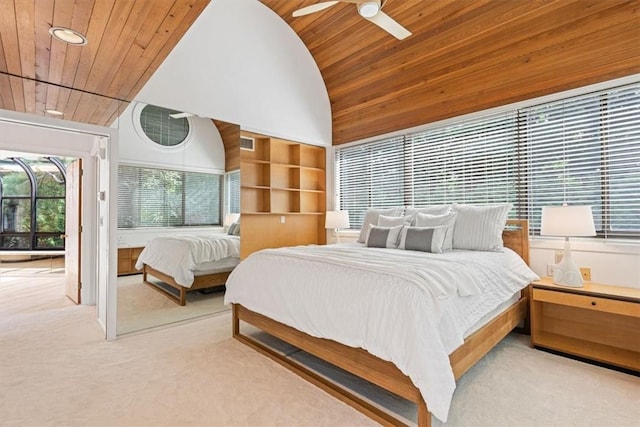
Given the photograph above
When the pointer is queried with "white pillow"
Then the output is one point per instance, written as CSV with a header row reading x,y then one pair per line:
x,y
371,218
431,210
479,227
392,221
447,220
383,237
425,239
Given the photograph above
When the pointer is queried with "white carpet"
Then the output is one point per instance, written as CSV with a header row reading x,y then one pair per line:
x,y
57,370
140,307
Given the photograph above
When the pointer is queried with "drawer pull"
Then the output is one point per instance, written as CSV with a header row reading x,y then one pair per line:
x,y
593,303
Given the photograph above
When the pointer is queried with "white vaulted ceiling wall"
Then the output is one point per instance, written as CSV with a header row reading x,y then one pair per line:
x,y
241,63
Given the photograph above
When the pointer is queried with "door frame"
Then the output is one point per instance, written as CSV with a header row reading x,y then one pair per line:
x,y
98,148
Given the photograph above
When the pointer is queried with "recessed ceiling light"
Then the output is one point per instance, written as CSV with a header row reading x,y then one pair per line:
x,y
68,35
54,112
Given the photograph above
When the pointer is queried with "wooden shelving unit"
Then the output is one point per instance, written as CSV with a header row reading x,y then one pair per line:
x,y
283,194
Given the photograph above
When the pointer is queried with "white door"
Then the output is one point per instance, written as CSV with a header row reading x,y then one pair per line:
x,y
73,230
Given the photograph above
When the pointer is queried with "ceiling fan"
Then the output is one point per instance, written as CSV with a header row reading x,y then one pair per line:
x,y
371,10
181,115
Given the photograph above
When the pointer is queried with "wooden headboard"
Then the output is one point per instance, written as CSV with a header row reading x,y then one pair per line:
x,y
516,237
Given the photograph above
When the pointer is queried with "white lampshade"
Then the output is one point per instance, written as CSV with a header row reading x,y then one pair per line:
x,y
567,221
230,218
337,220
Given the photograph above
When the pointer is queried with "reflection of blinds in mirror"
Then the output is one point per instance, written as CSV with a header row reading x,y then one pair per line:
x,y
149,197
233,192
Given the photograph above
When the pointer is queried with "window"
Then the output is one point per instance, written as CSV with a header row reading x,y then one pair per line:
x,y
149,197
580,150
232,194
160,127
370,175
32,196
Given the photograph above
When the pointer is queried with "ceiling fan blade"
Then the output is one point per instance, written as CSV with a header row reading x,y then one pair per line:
x,y
388,24
180,115
314,8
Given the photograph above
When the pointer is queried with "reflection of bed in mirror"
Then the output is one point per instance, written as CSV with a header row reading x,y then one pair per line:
x,y
188,263
364,294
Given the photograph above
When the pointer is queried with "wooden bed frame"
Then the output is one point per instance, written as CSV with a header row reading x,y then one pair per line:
x,y
380,372
199,282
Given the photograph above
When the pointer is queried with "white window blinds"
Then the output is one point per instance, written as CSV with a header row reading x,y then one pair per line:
x,y
586,151
580,150
470,162
233,192
149,197
370,175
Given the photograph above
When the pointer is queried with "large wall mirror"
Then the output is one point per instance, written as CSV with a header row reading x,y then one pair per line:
x,y
178,215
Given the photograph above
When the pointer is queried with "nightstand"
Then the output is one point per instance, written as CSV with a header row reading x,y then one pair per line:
x,y
596,322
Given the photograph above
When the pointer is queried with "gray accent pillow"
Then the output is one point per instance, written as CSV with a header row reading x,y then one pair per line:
x,y
371,218
447,220
479,227
234,229
231,229
425,239
383,237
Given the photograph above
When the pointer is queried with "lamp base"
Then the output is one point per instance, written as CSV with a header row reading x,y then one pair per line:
x,y
567,278
567,272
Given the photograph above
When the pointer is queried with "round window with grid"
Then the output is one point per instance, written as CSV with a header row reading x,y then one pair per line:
x,y
160,127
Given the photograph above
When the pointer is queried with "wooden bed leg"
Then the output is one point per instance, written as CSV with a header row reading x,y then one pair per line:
x,y
235,321
183,296
424,416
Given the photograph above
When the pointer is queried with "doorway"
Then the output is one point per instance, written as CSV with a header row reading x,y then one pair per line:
x,y
40,219
96,146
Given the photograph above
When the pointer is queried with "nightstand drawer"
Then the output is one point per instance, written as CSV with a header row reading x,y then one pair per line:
x,y
588,302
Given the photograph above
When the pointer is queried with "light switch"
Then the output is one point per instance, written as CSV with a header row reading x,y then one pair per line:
x,y
282,219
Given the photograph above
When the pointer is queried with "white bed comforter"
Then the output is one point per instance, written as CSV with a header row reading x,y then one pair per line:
x,y
178,256
410,308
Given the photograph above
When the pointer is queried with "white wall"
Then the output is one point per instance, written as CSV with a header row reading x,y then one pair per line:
x,y
613,262
202,152
241,63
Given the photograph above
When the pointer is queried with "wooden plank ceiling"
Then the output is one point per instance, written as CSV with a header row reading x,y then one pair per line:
x,y
463,56
127,41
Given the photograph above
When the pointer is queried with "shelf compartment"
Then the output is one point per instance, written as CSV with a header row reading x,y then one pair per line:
x,y
261,151
312,202
312,179
255,200
312,157
603,353
284,152
255,174
283,176
285,200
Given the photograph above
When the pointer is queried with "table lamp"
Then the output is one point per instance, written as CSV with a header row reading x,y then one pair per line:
x,y
337,220
567,221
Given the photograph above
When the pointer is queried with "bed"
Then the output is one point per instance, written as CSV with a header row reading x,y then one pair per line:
x,y
187,263
383,358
